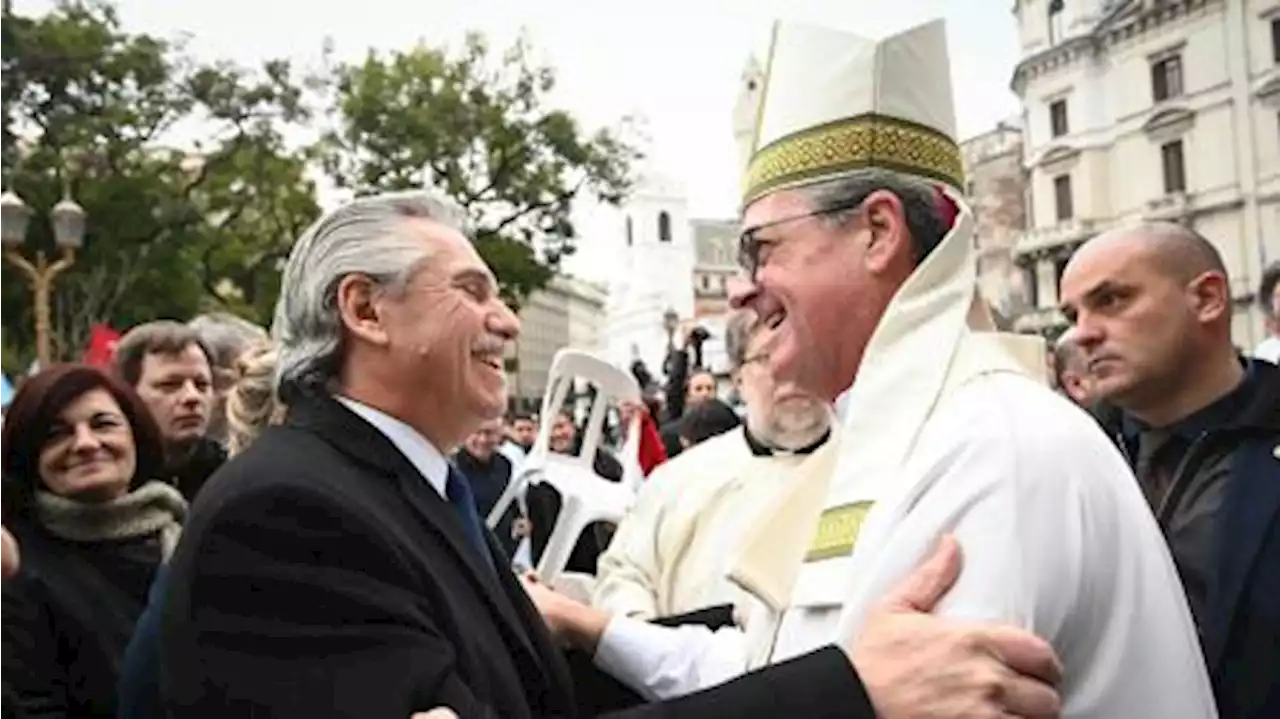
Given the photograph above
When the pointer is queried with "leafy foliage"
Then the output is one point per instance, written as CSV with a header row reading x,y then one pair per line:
x,y
87,107
176,227
479,128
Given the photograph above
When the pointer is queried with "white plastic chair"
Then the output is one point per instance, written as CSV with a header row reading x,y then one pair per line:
x,y
586,497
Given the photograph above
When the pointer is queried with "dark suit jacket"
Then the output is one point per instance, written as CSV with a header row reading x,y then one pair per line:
x,y
321,576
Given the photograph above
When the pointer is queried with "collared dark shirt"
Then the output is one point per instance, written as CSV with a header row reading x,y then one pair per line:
x,y
760,449
1185,481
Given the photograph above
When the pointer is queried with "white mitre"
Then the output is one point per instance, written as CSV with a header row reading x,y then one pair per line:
x,y
835,104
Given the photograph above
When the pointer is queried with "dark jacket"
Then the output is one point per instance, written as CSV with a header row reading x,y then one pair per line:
x,y
67,618
321,576
207,458
488,480
1240,622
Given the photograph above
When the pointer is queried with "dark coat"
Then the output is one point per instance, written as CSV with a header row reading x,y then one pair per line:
x,y
321,576
67,618
1240,632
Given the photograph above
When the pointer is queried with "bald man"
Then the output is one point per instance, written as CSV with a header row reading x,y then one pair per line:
x,y
1151,307
1071,372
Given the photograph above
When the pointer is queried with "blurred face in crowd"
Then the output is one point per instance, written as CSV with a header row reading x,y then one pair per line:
x,y
485,441
563,433
1138,323
1274,320
778,412
820,281
524,431
89,455
178,389
443,335
702,387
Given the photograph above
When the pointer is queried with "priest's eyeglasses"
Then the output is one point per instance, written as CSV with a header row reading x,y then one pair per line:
x,y
753,252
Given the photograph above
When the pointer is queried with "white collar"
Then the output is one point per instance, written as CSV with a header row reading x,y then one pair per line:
x,y
424,457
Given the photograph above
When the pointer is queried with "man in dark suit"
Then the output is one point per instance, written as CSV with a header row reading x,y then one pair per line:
x,y
338,567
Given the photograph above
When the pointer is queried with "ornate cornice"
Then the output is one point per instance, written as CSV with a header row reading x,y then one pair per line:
x,y
1126,21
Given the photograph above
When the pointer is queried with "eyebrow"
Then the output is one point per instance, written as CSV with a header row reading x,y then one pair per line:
x,y
1101,288
472,274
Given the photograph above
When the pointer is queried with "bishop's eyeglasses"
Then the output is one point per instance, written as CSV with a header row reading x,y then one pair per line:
x,y
753,252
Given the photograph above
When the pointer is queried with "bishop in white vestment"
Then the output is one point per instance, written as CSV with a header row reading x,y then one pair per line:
x,y
861,256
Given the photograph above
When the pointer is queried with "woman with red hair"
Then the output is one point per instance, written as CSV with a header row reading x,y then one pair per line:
x,y
79,453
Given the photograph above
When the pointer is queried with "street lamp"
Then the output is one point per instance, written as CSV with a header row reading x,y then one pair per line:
x,y
68,221
670,321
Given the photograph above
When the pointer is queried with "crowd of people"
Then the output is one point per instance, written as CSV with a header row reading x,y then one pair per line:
x,y
905,519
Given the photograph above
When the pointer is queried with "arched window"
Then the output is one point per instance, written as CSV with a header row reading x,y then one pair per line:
x,y
630,232
664,226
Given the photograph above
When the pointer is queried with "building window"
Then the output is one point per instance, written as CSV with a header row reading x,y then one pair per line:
x,y
1058,118
1055,21
1166,78
1275,40
1062,197
631,238
1175,171
664,226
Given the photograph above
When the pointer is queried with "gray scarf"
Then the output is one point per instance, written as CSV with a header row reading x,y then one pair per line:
x,y
153,508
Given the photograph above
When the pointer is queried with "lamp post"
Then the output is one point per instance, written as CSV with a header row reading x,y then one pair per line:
x,y
670,321
68,221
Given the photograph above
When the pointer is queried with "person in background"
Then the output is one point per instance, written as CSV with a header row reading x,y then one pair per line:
x,y
1269,302
81,457
521,433
704,420
251,404
226,337
489,473
671,554
168,365
1072,371
1200,425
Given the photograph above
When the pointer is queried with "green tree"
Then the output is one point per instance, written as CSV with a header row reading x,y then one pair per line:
x,y
90,108
478,127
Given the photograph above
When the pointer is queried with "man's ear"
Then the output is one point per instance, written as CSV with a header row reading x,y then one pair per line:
x,y
888,240
358,308
1211,296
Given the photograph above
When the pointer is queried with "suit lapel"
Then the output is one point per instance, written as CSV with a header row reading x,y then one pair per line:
x,y
365,445
1251,506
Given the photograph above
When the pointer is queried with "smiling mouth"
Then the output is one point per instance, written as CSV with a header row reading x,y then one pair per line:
x,y
775,319
493,362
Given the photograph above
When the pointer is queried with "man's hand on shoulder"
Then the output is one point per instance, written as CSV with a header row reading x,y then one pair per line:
x,y
916,665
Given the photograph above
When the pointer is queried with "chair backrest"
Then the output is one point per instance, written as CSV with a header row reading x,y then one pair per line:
x,y
586,497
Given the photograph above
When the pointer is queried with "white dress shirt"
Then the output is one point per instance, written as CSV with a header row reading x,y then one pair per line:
x,y
1269,350
424,457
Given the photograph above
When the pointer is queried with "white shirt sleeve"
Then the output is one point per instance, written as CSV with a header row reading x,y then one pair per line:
x,y
628,573
662,662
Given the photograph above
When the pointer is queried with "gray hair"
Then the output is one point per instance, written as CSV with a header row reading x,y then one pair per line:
x,y
737,333
366,236
226,336
919,202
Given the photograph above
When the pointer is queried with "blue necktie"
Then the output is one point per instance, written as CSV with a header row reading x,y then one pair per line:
x,y
457,490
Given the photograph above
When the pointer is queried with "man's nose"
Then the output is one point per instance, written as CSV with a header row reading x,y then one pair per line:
x,y
504,323
191,394
742,291
1087,332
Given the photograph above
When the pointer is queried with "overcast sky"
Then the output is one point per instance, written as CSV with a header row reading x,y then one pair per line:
x,y
674,62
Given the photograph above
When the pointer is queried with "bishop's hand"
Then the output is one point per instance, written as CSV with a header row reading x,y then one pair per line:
x,y
917,665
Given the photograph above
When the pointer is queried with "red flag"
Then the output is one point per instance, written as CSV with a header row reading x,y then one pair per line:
x,y
102,345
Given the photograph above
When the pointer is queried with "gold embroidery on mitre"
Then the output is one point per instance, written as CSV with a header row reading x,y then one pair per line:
x,y
838,530
851,144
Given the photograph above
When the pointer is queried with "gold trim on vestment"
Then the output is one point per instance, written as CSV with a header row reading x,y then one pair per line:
x,y
855,143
